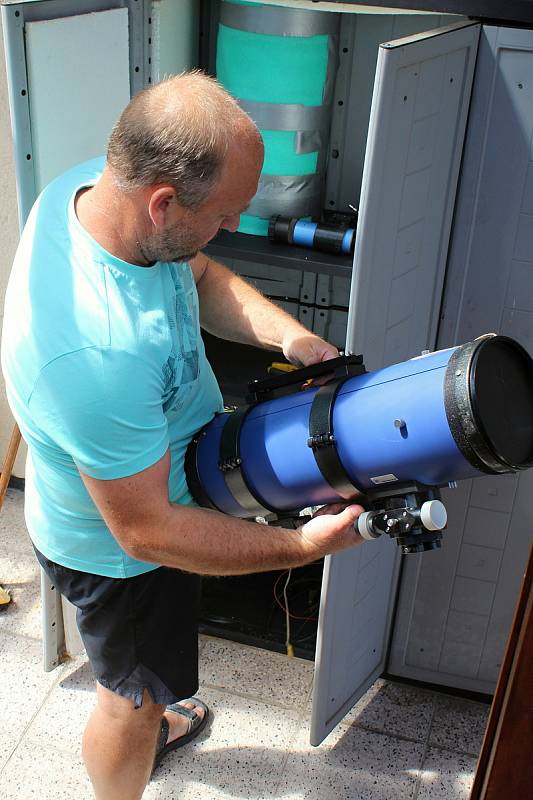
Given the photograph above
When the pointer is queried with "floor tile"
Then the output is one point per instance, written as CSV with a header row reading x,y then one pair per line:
x,y
394,708
19,570
351,764
39,772
13,533
459,724
242,755
20,574
257,673
62,718
23,689
446,776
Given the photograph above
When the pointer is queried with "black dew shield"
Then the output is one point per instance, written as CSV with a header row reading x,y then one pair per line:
x,y
489,403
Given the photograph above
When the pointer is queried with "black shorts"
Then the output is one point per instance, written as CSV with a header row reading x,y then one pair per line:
x,y
139,633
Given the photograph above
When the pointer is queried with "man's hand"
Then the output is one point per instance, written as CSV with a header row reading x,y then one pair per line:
x,y
332,528
304,349
150,528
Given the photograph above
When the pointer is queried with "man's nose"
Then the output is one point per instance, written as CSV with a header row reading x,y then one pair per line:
x,y
231,223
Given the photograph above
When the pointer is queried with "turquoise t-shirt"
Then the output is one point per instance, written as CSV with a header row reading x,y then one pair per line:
x,y
105,370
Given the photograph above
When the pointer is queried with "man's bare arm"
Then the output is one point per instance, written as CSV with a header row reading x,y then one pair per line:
x,y
150,528
234,310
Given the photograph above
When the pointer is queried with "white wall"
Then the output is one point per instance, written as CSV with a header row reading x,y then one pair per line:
x,y
9,235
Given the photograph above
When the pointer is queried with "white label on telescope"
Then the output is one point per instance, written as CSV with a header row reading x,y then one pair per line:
x,y
384,478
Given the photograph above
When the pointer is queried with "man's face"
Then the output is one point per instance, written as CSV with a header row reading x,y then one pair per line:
x,y
187,232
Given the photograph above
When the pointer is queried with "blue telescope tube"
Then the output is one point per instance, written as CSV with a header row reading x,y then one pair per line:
x,y
446,416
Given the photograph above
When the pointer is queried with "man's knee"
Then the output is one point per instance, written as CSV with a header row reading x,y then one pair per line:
x,y
122,709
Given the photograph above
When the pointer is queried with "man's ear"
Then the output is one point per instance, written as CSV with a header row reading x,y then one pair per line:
x,y
160,201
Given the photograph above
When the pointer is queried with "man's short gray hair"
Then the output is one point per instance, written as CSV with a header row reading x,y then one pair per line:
x,y
177,132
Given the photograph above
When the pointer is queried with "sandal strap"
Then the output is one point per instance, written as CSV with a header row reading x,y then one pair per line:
x,y
183,711
195,725
163,735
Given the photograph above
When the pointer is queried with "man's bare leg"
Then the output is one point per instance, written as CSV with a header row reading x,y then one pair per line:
x,y
119,743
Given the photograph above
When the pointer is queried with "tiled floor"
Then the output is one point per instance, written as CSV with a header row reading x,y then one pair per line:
x,y
398,742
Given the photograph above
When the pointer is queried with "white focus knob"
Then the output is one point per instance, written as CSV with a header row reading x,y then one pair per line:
x,y
433,515
364,525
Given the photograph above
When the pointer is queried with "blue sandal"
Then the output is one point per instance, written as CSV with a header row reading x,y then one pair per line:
x,y
196,724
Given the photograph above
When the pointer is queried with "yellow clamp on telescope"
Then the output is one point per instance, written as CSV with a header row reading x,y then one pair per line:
x,y
280,366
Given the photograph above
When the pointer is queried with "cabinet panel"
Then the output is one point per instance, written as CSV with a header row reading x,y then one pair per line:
x,y
412,163
361,36
452,622
330,324
421,98
60,53
291,289
58,58
175,37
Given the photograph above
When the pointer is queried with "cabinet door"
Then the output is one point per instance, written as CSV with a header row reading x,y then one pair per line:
x,y
454,613
417,123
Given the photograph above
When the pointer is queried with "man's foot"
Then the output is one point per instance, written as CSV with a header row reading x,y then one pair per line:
x,y
180,725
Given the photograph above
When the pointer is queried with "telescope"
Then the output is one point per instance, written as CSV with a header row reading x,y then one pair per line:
x,y
395,435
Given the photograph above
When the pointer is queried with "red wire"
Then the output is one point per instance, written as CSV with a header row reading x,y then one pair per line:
x,y
280,604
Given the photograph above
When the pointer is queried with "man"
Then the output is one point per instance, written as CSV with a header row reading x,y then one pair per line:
x,y
107,377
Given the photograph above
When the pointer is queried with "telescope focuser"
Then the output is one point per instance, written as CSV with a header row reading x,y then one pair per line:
x,y
413,515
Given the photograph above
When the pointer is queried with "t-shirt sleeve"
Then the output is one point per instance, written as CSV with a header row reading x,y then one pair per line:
x,y
103,408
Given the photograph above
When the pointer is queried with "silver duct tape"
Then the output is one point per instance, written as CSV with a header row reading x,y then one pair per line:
x,y
310,141
293,195
279,21
287,116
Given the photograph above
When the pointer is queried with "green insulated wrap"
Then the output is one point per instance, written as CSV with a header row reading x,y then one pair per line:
x,y
280,63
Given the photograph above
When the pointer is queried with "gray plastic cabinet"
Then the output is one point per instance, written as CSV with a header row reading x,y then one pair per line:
x,y
415,140
454,612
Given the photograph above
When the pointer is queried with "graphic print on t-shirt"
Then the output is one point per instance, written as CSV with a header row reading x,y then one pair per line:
x,y
181,368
